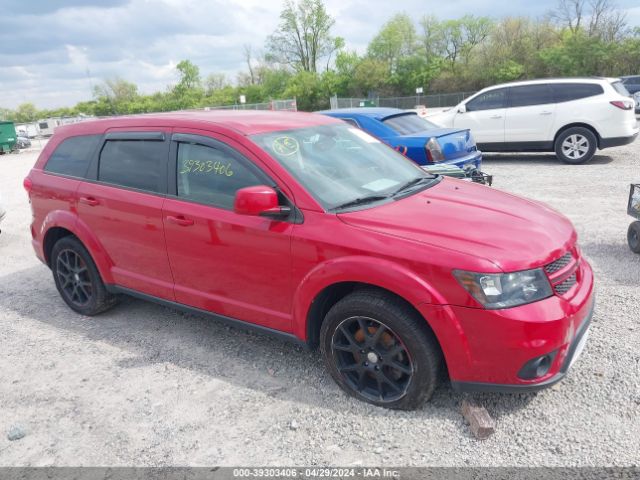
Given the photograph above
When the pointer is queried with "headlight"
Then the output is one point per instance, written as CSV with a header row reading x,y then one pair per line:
x,y
434,152
504,290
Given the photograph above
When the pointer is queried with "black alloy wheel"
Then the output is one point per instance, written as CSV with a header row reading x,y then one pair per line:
x,y
372,359
74,279
77,278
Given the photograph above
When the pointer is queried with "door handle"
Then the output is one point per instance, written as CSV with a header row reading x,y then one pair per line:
x,y
545,113
180,220
92,202
495,117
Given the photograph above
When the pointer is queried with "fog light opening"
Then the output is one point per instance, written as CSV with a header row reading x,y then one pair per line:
x,y
544,364
537,367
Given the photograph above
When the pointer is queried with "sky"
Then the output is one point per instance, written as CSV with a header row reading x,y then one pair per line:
x,y
52,52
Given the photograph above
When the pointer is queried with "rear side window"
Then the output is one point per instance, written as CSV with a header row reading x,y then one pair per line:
x,y
73,155
133,163
566,92
408,123
620,88
488,101
212,176
528,95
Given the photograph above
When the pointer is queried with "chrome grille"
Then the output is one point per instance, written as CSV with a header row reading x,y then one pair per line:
x,y
564,286
558,264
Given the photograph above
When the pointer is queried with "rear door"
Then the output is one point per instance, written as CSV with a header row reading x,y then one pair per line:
x,y
485,117
530,115
234,265
122,206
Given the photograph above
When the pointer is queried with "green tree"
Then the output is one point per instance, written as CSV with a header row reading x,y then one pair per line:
x,y
303,36
189,76
26,112
396,39
308,90
114,96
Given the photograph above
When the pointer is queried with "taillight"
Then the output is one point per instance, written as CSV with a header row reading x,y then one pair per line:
x,y
27,184
622,105
434,152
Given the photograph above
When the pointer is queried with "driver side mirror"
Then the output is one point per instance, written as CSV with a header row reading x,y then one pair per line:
x,y
462,108
259,200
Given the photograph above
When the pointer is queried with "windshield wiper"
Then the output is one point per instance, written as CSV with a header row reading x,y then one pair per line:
x,y
410,184
361,201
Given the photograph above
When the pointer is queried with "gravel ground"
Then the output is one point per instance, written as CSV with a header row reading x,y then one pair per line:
x,y
145,385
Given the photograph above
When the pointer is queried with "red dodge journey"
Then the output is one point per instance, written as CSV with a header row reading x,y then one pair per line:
x,y
303,226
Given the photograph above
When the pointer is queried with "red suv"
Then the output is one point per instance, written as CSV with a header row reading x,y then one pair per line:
x,y
305,227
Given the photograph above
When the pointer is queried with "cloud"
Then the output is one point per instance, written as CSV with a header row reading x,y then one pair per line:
x,y
53,51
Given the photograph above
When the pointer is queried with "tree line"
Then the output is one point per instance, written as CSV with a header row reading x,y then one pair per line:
x,y
303,59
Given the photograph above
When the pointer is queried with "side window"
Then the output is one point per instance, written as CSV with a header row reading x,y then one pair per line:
x,y
351,122
528,95
210,175
566,92
133,163
73,155
488,100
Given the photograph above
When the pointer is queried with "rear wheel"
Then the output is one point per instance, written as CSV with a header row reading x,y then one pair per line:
x,y
77,278
633,237
378,350
576,145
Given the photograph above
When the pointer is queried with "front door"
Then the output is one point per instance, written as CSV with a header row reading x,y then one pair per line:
x,y
234,265
485,117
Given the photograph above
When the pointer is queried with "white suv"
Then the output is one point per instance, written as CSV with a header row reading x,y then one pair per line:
x,y
572,116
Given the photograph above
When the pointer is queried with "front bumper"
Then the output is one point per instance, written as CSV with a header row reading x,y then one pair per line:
x,y
485,350
573,353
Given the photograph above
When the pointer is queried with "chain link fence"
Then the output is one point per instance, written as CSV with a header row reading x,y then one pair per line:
x,y
438,100
288,105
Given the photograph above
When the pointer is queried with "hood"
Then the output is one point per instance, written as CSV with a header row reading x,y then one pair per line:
x,y
512,232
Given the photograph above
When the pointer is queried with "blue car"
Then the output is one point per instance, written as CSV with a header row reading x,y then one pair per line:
x,y
422,141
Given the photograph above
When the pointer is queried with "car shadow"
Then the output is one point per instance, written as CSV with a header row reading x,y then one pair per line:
x,y
547,159
153,334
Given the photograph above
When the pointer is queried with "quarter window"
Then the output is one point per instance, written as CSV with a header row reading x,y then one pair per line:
x,y
528,95
133,163
489,100
73,155
210,175
566,92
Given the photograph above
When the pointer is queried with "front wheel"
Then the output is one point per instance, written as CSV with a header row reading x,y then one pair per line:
x,y
379,350
633,237
576,145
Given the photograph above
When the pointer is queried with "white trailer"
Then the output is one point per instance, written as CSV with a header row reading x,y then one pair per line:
x,y
29,130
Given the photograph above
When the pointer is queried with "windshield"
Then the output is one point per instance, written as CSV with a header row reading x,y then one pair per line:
x,y
621,89
340,164
408,123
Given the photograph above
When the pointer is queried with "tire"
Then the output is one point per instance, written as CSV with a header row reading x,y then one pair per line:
x,y
77,278
397,367
576,145
633,237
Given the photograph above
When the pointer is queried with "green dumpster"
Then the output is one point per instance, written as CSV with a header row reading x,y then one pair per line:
x,y
7,137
